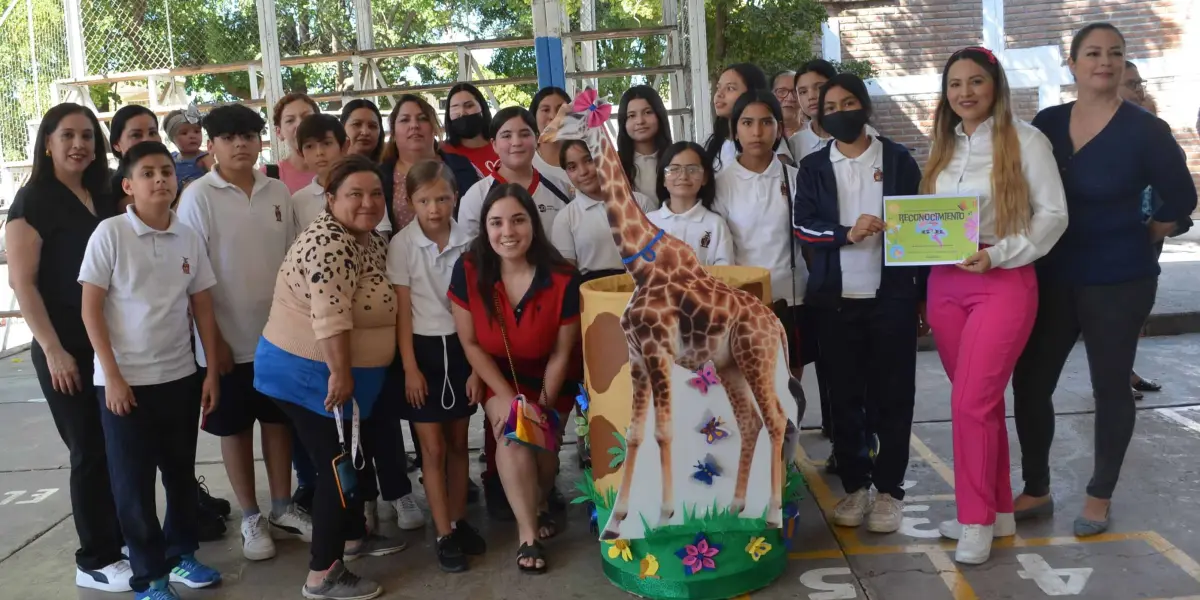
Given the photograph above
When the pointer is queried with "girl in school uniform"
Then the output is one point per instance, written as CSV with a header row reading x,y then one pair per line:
x,y
735,80
687,188
581,232
139,273
440,388
643,133
514,136
467,120
546,160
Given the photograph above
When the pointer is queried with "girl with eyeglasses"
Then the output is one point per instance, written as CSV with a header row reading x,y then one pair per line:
x,y
687,188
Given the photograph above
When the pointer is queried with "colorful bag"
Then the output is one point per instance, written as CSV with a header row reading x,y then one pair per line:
x,y
529,423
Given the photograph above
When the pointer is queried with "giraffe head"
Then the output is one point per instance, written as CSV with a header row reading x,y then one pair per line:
x,y
572,124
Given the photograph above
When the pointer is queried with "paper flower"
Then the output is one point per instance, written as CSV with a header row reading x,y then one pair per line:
x,y
971,228
620,549
648,567
698,555
897,251
598,110
757,548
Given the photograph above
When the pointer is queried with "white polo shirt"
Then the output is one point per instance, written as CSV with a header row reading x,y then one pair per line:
x,y
805,142
149,276
556,174
309,202
415,262
860,192
729,153
758,210
549,203
582,235
247,239
645,180
702,229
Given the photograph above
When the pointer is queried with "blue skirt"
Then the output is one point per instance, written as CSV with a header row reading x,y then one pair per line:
x,y
304,382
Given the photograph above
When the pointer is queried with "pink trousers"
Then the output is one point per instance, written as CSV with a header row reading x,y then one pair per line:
x,y
981,324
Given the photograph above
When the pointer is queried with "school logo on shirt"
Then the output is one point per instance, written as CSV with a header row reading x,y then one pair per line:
x,y
278,214
706,239
187,269
878,175
543,208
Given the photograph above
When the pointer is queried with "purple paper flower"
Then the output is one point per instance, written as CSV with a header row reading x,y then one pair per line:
x,y
698,555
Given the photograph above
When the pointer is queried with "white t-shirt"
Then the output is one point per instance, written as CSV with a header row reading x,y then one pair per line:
x,y
150,276
758,209
583,236
805,142
415,262
309,202
247,239
860,192
645,180
705,231
549,202
729,153
556,174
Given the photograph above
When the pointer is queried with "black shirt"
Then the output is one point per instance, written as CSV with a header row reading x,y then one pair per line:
x,y
65,225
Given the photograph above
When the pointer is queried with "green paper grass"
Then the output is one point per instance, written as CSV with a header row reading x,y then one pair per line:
x,y
617,452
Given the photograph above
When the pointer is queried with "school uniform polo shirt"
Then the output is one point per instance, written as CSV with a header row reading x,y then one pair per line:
x,y
805,142
415,262
645,179
150,276
758,209
705,231
556,174
247,239
860,192
583,236
550,199
309,202
729,153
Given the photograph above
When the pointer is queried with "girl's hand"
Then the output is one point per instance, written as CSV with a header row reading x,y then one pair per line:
x,y
475,389
415,389
118,397
64,373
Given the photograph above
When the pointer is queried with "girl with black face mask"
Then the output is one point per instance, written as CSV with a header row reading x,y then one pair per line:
x,y
467,119
866,315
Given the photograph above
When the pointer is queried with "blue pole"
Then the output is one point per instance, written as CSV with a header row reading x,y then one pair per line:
x,y
548,45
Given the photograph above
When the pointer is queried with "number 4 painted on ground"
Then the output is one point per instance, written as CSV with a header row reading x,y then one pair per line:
x,y
1054,582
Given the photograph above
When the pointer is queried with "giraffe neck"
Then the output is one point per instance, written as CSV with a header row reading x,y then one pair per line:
x,y
631,230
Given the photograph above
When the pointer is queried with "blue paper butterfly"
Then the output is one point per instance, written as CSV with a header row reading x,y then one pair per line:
x,y
582,399
706,470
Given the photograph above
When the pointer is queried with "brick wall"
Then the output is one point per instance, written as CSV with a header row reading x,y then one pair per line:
x,y
1149,26
908,37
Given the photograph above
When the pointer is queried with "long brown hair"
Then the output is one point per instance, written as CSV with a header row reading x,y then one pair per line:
x,y
1010,189
390,152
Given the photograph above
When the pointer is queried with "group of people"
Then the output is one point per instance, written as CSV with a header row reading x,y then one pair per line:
x,y
364,280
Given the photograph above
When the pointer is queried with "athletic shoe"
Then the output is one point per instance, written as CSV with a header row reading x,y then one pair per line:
x,y
974,545
293,522
303,498
220,506
256,539
112,578
852,509
408,514
210,526
158,590
468,538
194,574
887,513
374,545
341,584
450,556
1005,526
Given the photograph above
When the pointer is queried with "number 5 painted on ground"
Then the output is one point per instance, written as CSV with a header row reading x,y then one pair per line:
x,y
815,580
909,526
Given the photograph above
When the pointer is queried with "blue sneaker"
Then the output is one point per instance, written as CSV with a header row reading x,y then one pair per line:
x,y
159,590
194,574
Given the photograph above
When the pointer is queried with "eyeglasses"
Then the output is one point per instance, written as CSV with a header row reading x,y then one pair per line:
x,y
680,170
783,93
1135,84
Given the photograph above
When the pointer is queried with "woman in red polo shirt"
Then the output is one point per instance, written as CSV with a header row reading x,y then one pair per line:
x,y
512,284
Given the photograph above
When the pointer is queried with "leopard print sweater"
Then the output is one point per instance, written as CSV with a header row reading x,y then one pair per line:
x,y
330,284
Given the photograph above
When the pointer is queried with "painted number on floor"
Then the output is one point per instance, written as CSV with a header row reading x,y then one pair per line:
x,y
815,580
34,498
1054,582
913,526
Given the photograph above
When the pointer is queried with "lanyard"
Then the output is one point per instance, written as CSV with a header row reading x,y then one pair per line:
x,y
337,416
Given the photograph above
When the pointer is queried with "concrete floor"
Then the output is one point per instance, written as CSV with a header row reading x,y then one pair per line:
x,y
1148,554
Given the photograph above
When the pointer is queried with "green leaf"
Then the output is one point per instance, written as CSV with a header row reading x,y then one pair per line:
x,y
616,462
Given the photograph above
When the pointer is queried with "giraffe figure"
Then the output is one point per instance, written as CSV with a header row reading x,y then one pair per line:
x,y
680,314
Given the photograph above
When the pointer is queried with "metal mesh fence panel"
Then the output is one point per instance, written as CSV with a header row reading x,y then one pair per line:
x,y
33,53
137,35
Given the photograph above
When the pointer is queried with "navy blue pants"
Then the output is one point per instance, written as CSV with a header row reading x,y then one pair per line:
x,y
159,434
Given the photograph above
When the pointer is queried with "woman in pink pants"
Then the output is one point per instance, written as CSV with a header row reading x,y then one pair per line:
x,y
983,309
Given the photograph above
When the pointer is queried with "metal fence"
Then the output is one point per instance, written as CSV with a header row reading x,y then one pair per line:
x,y
33,53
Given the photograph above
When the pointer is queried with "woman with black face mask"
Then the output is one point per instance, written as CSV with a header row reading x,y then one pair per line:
x,y
467,119
866,315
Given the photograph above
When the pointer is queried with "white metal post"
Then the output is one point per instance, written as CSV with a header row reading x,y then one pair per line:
x,y
37,84
365,31
702,115
268,38
75,55
681,128
587,50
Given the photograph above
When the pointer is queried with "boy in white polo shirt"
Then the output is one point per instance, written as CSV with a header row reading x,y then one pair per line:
x,y
138,274
247,223
321,140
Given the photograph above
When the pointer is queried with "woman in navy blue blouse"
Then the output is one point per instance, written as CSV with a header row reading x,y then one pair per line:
x,y
1100,280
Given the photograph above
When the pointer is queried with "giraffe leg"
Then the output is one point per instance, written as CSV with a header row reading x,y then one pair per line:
x,y
758,367
748,423
633,440
659,368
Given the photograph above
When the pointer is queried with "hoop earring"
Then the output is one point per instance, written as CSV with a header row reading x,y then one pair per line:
x,y
47,152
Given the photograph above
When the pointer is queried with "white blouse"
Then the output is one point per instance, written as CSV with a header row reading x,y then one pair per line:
x,y
970,173
705,231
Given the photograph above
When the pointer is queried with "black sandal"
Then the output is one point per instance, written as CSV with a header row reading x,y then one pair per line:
x,y
533,552
1147,385
546,521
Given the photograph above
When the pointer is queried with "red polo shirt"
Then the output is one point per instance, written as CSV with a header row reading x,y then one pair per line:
x,y
532,325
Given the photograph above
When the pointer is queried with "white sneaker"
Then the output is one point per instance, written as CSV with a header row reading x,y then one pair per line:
x,y
851,510
408,514
887,513
369,512
294,522
256,539
1005,526
113,578
975,545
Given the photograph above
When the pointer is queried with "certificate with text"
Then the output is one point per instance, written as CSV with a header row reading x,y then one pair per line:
x,y
930,230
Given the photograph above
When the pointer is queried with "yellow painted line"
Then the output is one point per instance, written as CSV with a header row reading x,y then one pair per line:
x,y
951,576
1173,554
816,555
1067,540
939,466
826,500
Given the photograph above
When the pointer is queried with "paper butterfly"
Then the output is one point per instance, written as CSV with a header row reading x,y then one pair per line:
x,y
705,377
962,205
598,110
757,548
706,470
582,399
712,430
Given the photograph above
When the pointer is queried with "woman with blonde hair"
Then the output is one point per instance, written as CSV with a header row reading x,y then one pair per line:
x,y
983,309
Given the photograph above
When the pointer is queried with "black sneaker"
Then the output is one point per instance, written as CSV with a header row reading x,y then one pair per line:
x,y
303,498
468,539
557,501
450,556
497,502
472,492
210,526
219,506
